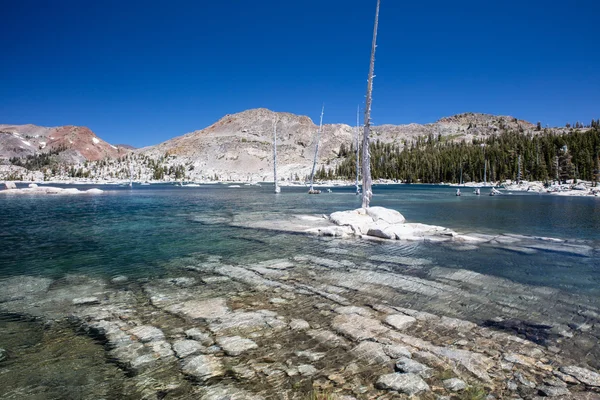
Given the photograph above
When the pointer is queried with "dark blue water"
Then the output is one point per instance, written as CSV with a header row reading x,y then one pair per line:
x,y
142,231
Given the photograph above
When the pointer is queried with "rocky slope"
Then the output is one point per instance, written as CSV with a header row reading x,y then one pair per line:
x,y
239,146
74,143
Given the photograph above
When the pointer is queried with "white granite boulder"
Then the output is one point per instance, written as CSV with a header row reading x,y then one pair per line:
x,y
392,217
358,220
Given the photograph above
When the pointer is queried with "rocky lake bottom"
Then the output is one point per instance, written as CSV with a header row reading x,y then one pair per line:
x,y
188,297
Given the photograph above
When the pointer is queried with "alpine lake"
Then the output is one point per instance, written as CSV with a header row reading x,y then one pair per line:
x,y
163,291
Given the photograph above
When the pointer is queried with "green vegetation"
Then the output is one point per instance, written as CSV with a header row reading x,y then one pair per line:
x,y
321,395
544,156
473,393
37,162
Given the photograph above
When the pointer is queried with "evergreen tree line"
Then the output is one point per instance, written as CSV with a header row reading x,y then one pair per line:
x,y
35,162
544,157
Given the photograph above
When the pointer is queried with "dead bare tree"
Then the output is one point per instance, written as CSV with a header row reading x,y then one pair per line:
x,y
277,188
311,190
366,161
357,149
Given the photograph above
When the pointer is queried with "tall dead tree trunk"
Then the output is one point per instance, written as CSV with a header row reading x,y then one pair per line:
x,y
312,174
366,161
277,189
357,149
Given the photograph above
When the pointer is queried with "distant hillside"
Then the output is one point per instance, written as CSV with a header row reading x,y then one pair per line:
x,y
126,146
239,146
72,144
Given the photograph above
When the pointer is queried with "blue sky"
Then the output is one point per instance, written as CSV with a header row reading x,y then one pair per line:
x,y
141,72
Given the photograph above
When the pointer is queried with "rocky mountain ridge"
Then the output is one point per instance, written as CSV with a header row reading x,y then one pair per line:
x,y
75,144
239,146
236,147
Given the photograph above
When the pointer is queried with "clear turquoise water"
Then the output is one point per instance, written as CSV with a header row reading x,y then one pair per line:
x,y
139,232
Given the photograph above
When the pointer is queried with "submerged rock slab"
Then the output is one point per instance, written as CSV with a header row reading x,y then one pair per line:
x,y
371,353
185,348
147,333
245,322
399,321
397,351
196,334
326,337
299,325
209,309
203,367
358,327
20,287
406,365
249,277
228,393
410,384
235,345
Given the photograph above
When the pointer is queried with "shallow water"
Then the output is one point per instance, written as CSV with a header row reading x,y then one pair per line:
x,y
137,231
152,232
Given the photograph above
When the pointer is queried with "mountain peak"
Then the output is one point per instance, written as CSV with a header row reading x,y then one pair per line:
x,y
82,143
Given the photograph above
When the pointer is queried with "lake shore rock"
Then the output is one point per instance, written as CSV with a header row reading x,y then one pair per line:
x,y
45,190
346,328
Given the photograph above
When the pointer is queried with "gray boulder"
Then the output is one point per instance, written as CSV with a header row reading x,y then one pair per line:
x,y
201,309
553,391
400,321
397,351
306,370
299,325
84,301
147,333
454,384
586,376
203,367
409,384
406,365
235,345
185,348
196,334
358,327
371,353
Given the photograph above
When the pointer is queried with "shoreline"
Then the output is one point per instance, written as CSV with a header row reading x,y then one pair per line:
x,y
582,189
